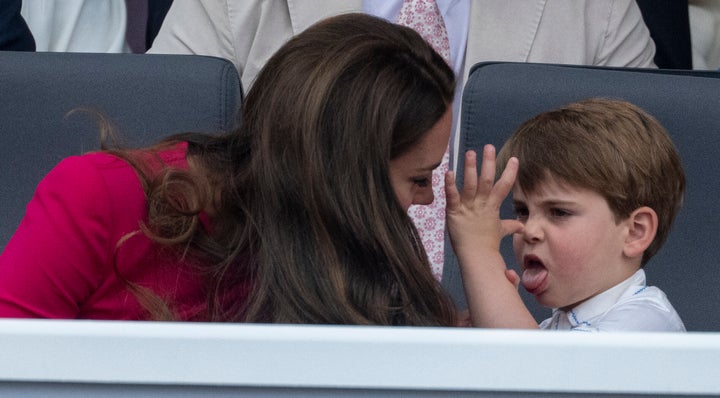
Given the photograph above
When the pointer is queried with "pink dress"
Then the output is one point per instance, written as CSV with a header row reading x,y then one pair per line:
x,y
62,261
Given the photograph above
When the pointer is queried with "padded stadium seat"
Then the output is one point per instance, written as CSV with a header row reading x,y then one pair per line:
x,y
146,97
498,97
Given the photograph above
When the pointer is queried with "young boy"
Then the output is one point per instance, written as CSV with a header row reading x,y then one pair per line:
x,y
598,186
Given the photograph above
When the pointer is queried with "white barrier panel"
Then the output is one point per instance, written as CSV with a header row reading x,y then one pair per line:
x,y
236,356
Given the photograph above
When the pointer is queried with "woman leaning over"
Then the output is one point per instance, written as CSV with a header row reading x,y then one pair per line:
x,y
298,216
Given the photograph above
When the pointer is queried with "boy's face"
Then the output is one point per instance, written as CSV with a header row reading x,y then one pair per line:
x,y
571,247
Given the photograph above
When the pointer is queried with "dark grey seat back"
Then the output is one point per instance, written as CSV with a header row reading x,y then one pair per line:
x,y
146,97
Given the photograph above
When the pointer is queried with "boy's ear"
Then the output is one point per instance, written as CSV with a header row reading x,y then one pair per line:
x,y
642,227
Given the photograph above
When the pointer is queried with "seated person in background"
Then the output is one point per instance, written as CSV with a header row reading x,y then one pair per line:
x,y
591,32
598,187
705,30
298,216
14,32
77,25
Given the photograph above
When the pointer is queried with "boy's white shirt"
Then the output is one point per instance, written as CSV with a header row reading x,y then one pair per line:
x,y
630,305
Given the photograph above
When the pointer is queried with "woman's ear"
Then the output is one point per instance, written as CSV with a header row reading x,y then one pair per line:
x,y
642,227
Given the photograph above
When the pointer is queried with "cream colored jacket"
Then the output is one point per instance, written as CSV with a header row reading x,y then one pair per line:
x,y
587,32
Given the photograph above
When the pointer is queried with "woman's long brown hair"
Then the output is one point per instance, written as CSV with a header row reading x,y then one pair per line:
x,y
301,200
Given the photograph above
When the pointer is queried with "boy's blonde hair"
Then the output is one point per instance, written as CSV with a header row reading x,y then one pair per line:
x,y
611,147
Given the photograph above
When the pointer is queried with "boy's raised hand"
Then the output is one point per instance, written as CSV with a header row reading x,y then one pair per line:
x,y
473,220
473,215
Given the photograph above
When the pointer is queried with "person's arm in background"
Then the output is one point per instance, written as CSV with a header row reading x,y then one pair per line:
x,y
14,32
246,32
704,33
199,27
86,26
627,39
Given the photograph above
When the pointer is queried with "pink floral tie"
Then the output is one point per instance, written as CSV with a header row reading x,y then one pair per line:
x,y
424,17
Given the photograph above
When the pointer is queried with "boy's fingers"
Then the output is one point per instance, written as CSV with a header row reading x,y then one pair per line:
x,y
485,186
463,318
470,180
510,227
513,277
505,183
487,171
452,196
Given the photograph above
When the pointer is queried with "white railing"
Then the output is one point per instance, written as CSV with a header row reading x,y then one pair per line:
x,y
355,358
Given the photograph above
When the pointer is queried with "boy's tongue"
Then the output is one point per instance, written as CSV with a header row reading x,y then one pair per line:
x,y
533,277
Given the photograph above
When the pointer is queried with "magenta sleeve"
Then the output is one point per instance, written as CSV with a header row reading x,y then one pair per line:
x,y
60,252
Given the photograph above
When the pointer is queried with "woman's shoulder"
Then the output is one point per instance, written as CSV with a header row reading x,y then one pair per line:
x,y
103,179
87,175
110,166
94,187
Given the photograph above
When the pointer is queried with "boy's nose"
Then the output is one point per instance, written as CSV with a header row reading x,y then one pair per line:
x,y
532,231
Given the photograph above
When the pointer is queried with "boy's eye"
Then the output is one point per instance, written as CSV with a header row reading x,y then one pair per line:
x,y
560,213
521,212
421,182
